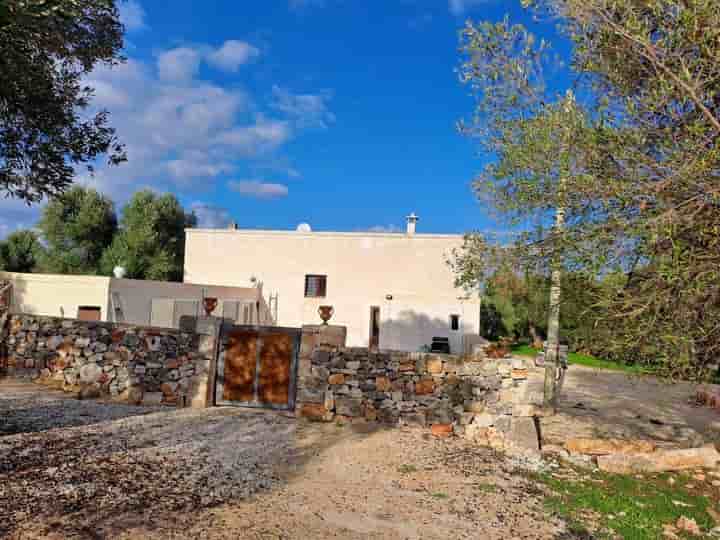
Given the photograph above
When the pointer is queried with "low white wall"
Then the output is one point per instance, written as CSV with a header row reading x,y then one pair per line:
x,y
136,296
57,295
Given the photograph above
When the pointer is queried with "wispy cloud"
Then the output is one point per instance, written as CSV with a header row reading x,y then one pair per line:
x,y
258,189
132,15
232,55
179,64
459,7
184,132
307,110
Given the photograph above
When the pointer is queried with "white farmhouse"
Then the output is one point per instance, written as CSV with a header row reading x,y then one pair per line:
x,y
391,291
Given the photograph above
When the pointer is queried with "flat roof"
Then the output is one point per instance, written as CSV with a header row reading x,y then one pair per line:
x,y
298,234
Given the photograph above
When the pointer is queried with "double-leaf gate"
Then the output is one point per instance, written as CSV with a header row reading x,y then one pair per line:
x,y
257,367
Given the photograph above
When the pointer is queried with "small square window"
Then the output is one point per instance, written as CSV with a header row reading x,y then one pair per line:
x,y
315,286
88,313
455,322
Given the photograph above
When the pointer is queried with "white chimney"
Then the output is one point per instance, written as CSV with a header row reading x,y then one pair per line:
x,y
412,220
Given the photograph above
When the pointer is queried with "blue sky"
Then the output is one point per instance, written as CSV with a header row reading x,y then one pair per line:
x,y
340,113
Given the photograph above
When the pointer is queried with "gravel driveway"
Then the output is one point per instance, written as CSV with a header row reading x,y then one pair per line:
x,y
93,461
83,469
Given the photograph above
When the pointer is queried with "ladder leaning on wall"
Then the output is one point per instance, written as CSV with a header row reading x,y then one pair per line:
x,y
117,310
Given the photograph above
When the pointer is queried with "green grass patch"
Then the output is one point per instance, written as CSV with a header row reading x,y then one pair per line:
x,y
614,506
487,488
585,360
440,495
407,469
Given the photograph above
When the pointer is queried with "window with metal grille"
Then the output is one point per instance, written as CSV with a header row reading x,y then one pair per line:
x,y
455,322
315,286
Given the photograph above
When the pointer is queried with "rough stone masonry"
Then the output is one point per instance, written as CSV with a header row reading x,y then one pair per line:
x,y
131,363
469,397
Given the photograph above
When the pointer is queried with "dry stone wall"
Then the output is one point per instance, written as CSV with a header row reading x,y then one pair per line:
x,y
132,363
450,394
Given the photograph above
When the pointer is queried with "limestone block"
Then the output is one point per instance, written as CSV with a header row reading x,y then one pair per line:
x,y
134,395
336,379
523,435
314,412
54,342
424,387
474,406
660,461
600,447
348,406
152,398
483,420
434,365
441,430
90,373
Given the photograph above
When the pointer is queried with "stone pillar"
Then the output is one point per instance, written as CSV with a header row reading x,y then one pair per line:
x,y
318,341
202,392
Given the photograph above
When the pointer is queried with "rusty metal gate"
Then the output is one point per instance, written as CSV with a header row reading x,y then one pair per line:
x,y
257,367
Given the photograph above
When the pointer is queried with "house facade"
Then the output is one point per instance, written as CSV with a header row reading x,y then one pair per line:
x,y
391,291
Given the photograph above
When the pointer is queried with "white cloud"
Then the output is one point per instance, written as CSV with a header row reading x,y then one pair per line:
x,y
258,189
307,110
179,64
179,132
197,164
132,15
210,216
458,7
183,133
232,55
263,136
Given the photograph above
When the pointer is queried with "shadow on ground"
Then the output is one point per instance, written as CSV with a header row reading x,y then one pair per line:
x,y
598,403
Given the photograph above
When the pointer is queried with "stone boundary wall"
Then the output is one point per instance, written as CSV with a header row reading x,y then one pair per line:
x,y
450,394
125,362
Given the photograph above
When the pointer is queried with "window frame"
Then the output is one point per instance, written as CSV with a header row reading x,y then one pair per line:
x,y
455,318
320,287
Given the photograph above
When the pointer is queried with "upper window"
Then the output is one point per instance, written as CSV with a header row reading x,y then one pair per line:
x,y
315,286
455,322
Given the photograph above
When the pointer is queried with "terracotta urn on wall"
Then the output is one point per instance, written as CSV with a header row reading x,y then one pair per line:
x,y
209,303
326,313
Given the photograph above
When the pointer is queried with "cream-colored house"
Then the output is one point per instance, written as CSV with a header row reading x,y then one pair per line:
x,y
394,291
154,303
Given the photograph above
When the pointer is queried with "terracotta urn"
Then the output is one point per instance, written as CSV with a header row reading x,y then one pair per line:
x,y
209,303
326,313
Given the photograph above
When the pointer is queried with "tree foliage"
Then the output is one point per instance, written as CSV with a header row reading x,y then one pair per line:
x,y
643,198
77,226
20,251
151,242
46,48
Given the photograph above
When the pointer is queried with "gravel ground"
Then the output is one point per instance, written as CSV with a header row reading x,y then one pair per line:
x,y
111,471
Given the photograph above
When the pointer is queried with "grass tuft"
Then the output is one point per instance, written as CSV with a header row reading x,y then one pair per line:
x,y
623,506
586,360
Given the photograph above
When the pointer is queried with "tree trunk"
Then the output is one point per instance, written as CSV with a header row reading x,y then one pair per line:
x,y
534,337
553,334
